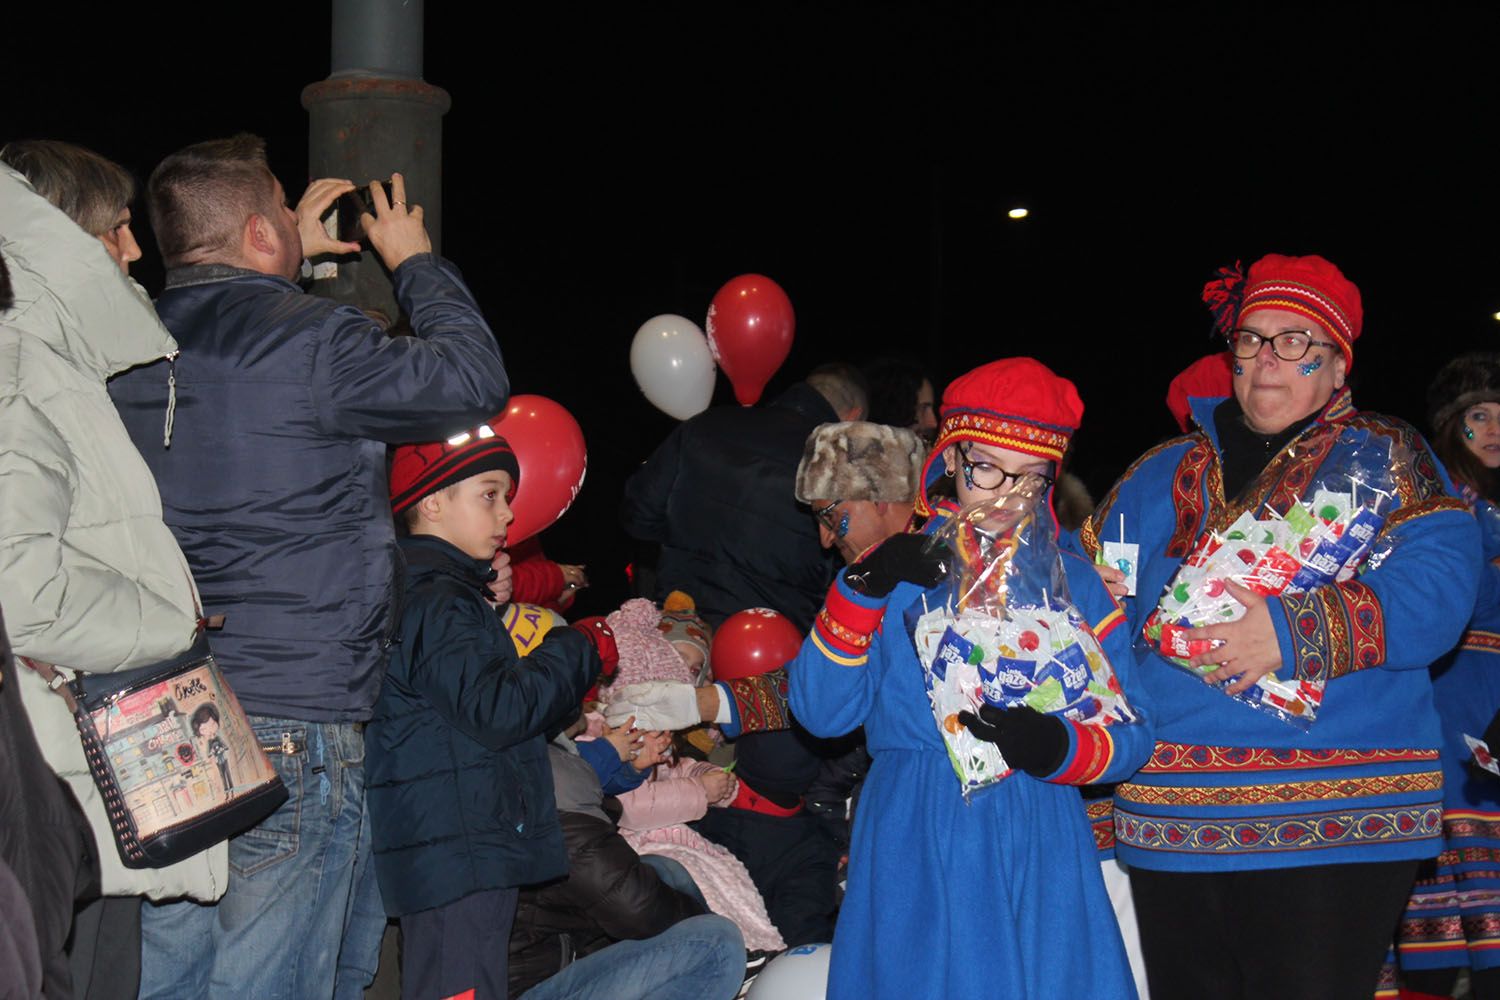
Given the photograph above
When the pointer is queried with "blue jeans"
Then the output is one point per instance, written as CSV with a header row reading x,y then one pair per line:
x,y
701,958
673,874
302,917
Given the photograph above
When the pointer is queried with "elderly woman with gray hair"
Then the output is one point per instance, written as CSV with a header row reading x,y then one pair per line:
x,y
90,577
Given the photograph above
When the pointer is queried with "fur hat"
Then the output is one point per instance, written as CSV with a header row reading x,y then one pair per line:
x,y
857,460
1462,382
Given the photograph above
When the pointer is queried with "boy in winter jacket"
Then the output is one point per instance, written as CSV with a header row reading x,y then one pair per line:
x,y
460,792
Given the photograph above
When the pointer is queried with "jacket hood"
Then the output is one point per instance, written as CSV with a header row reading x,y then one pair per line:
x,y
69,293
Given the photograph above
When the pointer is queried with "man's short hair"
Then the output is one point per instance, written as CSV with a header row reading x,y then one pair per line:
x,y
89,189
842,385
200,197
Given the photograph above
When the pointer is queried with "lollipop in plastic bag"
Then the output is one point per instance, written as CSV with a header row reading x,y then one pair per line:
x,y
1004,631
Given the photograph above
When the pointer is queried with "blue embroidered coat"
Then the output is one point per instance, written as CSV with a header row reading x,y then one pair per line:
x,y
955,899
1230,788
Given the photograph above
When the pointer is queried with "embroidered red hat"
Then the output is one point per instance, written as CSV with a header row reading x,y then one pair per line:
x,y
1206,378
420,469
1310,286
1015,403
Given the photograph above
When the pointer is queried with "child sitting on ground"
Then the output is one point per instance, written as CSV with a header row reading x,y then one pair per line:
x,y
459,789
657,646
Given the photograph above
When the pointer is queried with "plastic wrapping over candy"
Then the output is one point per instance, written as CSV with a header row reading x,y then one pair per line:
x,y
1332,533
1002,630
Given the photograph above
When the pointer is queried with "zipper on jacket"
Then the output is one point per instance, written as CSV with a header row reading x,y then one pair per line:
x,y
166,435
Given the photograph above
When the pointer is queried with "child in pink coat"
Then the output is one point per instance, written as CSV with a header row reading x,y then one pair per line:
x,y
655,814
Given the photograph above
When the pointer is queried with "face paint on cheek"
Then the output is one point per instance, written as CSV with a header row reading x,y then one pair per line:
x,y
1239,369
843,525
1468,433
968,478
1307,369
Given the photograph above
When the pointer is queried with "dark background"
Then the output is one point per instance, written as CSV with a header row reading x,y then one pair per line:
x,y
606,165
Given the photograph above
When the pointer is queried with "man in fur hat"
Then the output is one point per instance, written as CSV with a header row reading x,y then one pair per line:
x,y
860,480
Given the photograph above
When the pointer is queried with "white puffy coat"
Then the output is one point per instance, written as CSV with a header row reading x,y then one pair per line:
x,y
90,577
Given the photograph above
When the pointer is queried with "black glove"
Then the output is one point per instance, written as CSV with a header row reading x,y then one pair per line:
x,y
914,558
1028,740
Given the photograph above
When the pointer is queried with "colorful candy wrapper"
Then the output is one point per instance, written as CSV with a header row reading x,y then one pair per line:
x,y
1327,539
1002,630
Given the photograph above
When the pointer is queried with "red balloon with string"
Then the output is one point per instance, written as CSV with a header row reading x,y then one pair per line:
x,y
750,326
552,458
751,642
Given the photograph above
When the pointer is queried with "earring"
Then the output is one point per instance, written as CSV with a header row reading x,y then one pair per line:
x,y
1239,369
947,473
1468,433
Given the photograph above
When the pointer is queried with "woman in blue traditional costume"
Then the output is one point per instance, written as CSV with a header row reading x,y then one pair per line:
x,y
1001,895
1453,919
1268,861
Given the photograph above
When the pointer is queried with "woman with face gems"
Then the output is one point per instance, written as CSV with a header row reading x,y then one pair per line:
x,y
1267,861
1002,895
1453,918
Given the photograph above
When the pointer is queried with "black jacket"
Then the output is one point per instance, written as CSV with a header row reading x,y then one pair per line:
x,y
608,895
456,772
275,480
718,497
44,841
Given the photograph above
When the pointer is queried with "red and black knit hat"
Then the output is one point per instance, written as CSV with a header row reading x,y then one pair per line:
x,y
1307,285
1015,403
420,469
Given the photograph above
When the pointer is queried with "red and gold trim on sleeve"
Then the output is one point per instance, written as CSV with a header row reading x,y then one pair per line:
x,y
1336,630
1093,751
762,702
1101,813
843,628
1109,623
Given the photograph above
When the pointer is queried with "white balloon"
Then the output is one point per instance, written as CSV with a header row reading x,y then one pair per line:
x,y
799,973
671,363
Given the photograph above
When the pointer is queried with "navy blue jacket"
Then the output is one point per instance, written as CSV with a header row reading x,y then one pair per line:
x,y
456,771
275,479
718,494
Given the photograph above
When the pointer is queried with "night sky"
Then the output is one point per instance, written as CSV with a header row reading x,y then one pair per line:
x,y
604,167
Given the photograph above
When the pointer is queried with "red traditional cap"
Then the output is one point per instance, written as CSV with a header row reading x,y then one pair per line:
x,y
1015,403
1208,378
1311,286
421,469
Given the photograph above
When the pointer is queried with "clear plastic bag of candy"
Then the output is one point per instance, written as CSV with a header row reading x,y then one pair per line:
x,y
1330,534
1002,630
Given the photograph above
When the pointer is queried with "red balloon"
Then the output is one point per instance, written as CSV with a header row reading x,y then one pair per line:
x,y
549,449
750,325
755,641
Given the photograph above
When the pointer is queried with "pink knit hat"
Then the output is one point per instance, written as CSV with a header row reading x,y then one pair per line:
x,y
645,653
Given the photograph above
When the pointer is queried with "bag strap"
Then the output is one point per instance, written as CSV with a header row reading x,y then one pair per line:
x,y
60,684
57,681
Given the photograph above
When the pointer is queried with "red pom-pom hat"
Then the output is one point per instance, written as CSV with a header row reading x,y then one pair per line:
x,y
1014,403
1312,287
